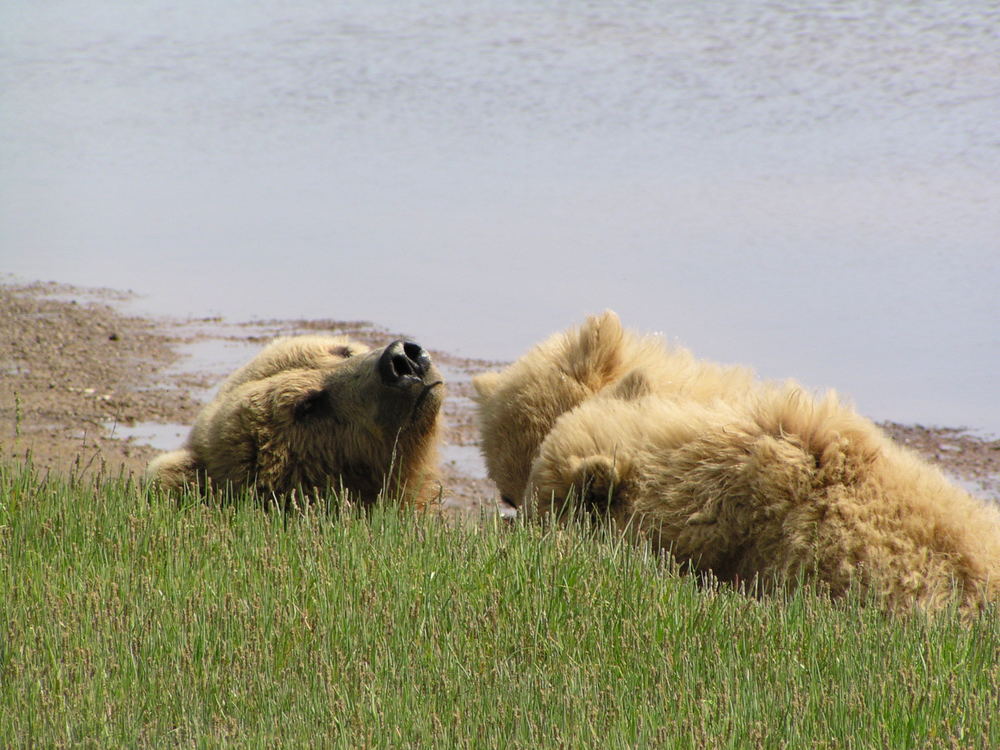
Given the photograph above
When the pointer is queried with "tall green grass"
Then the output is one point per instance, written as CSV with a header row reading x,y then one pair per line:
x,y
127,620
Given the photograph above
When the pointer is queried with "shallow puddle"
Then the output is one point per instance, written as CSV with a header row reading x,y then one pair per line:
x,y
163,437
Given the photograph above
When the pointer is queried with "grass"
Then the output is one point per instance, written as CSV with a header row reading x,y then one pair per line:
x,y
126,620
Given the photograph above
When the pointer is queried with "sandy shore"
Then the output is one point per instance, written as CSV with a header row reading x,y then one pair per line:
x,y
87,388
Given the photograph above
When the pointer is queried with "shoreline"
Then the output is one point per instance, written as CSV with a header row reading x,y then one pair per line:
x,y
85,385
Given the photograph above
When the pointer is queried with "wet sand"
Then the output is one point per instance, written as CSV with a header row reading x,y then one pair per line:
x,y
87,388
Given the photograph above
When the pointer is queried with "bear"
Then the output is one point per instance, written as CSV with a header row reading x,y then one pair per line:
x,y
770,489
316,413
517,407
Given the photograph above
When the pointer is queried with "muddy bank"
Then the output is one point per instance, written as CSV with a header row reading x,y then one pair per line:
x,y
86,388
73,368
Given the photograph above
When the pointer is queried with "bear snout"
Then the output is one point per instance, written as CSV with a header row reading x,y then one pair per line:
x,y
402,362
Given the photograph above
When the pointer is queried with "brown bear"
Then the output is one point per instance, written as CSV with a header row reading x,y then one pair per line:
x,y
318,412
768,487
517,407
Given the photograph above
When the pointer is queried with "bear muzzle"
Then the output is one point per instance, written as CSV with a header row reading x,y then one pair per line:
x,y
406,369
403,363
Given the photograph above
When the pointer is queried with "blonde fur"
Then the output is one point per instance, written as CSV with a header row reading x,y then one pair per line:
x,y
771,486
355,434
517,407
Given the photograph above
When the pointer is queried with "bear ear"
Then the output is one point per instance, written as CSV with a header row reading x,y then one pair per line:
x,y
345,348
596,479
596,349
486,384
600,334
605,319
633,386
310,404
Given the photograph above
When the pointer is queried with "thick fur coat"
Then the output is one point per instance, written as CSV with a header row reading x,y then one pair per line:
x,y
517,407
776,487
318,412
761,484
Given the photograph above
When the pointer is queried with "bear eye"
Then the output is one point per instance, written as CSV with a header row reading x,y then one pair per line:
x,y
342,351
312,404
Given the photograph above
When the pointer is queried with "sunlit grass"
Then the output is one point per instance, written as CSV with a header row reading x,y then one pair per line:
x,y
129,620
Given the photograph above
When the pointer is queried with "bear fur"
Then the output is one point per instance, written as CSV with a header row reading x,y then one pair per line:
x,y
518,407
314,413
759,483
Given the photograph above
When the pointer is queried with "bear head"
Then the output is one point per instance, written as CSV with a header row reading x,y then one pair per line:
x,y
317,412
518,406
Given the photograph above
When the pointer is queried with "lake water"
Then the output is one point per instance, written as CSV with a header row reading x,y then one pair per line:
x,y
811,187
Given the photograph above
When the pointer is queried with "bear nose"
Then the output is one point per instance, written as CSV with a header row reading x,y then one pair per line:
x,y
402,360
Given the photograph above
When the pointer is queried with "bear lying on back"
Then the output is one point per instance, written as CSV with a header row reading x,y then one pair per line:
x,y
318,412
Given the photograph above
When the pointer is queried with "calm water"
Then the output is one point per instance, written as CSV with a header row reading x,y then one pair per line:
x,y
809,187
